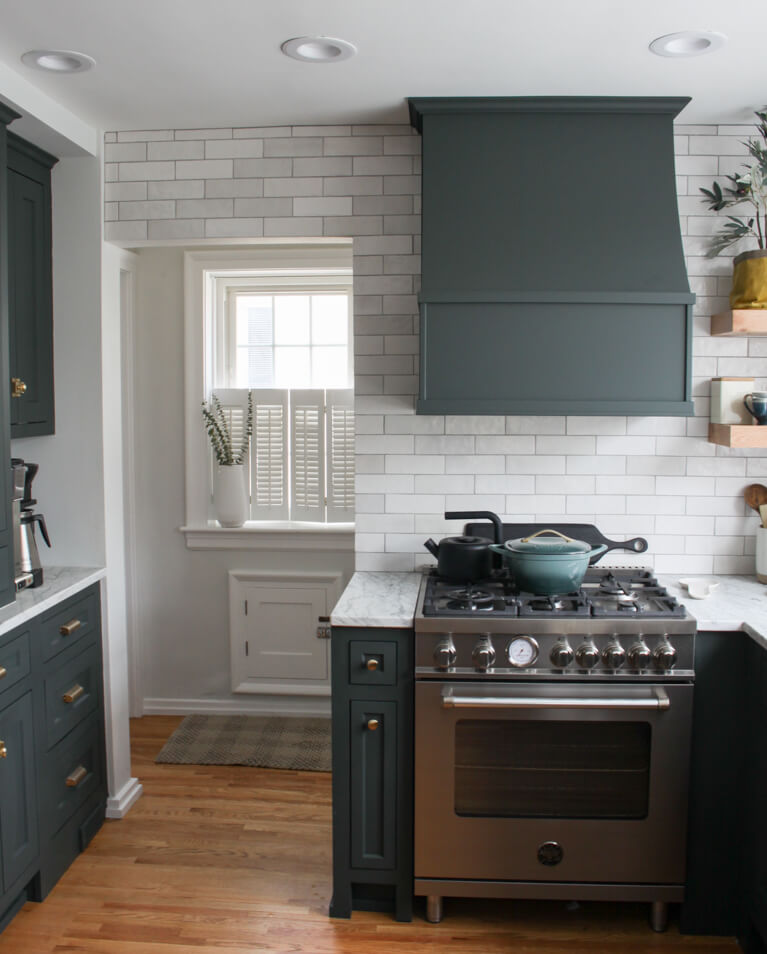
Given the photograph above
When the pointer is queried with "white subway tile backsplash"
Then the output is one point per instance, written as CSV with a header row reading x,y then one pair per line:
x,y
596,425
655,476
593,464
469,424
474,464
565,445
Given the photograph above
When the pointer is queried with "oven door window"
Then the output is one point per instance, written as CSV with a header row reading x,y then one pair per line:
x,y
549,769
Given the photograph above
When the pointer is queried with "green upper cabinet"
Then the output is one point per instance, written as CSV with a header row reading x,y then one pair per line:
x,y
553,276
30,289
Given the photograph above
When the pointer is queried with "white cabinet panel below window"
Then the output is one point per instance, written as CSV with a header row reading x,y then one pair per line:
x,y
278,644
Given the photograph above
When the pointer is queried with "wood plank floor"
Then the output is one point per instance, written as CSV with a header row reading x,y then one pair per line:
x,y
238,860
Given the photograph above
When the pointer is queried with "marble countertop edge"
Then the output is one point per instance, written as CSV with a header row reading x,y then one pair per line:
x,y
59,583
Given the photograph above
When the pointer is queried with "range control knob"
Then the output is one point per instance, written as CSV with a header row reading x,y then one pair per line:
x,y
483,653
587,655
639,655
561,654
445,654
664,655
613,655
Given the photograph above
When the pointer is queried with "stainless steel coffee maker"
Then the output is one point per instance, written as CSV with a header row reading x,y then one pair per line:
x,y
27,568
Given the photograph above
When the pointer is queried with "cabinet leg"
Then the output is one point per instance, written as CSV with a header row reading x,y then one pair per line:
x,y
659,916
341,902
434,908
403,904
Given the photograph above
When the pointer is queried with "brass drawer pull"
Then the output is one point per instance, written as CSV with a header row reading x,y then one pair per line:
x,y
373,724
3,751
73,694
74,778
18,388
3,672
66,629
373,664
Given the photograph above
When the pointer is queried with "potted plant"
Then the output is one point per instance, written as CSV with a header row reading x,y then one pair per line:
x,y
749,282
230,494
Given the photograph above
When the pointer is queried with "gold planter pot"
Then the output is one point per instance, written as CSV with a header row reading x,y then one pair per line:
x,y
749,280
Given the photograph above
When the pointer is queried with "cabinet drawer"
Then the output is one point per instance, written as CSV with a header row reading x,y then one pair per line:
x,y
14,660
71,773
69,623
372,663
71,694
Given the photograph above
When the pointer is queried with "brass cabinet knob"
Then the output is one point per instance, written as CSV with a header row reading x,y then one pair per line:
x,y
66,629
74,778
372,664
372,724
3,751
73,694
18,387
3,672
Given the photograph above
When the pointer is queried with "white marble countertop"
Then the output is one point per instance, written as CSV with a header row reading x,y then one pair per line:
x,y
377,598
59,583
737,603
388,599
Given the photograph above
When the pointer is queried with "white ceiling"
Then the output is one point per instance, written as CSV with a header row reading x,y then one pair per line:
x,y
197,63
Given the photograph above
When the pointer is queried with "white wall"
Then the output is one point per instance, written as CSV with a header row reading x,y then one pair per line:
x,y
181,595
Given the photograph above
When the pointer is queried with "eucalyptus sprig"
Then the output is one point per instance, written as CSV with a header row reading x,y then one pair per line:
x,y
749,186
220,436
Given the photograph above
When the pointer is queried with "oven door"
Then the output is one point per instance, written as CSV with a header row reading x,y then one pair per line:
x,y
569,783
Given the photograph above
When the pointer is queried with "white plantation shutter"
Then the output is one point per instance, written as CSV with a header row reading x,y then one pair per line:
x,y
269,456
339,455
307,445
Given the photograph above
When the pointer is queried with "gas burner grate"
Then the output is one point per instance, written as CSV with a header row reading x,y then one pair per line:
x,y
569,604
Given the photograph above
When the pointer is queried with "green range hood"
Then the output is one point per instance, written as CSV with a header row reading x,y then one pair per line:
x,y
553,274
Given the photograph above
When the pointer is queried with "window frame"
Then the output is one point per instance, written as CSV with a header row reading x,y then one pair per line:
x,y
206,272
228,288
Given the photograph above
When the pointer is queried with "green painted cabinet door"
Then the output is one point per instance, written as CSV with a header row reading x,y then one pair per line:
x,y
18,801
373,783
30,290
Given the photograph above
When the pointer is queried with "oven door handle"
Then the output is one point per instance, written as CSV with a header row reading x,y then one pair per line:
x,y
658,700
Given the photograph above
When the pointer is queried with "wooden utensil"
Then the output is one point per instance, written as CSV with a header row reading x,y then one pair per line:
x,y
755,496
763,514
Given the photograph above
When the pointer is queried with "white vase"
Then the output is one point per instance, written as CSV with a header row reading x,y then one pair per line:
x,y
230,496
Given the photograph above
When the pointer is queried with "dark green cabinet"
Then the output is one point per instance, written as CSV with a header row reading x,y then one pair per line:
x,y
726,891
19,843
30,289
52,747
372,771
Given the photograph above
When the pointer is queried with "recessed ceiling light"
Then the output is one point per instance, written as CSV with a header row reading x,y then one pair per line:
x,y
58,61
318,49
688,43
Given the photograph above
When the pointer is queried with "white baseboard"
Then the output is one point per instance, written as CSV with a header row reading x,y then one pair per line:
x,y
264,705
120,804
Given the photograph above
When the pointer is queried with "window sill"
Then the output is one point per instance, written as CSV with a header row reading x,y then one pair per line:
x,y
276,535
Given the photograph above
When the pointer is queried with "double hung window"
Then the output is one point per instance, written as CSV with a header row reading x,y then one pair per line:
x,y
284,333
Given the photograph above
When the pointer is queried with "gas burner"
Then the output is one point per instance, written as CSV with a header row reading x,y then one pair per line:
x,y
568,604
469,598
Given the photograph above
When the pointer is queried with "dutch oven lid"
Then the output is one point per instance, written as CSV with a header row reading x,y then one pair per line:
x,y
561,545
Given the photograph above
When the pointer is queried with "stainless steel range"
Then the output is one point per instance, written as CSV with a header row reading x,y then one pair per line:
x,y
552,741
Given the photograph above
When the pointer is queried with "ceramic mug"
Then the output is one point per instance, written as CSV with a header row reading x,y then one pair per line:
x,y
756,405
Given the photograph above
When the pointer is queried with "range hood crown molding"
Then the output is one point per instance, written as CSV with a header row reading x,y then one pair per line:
x,y
551,238
420,106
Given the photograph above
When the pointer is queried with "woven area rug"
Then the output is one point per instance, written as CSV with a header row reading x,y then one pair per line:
x,y
263,741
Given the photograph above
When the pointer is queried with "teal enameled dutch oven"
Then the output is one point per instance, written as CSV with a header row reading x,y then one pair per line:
x,y
548,567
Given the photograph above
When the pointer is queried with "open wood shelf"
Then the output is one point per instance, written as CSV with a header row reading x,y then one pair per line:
x,y
738,435
741,321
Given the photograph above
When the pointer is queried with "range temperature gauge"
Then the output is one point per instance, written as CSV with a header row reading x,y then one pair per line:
x,y
522,651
